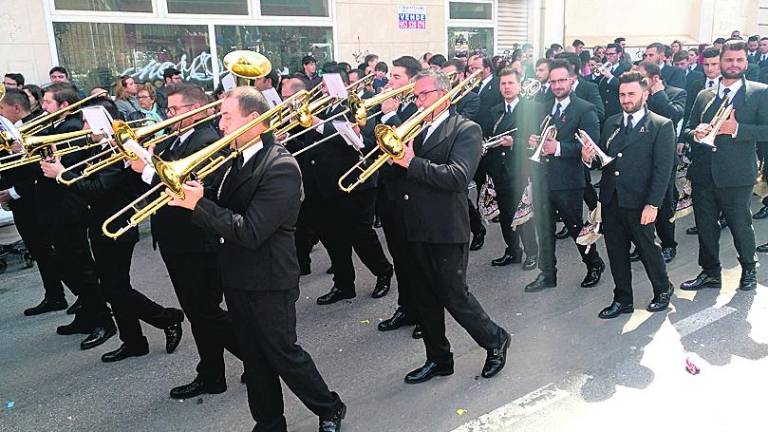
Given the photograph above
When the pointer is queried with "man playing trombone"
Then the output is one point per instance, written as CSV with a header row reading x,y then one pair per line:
x,y
641,145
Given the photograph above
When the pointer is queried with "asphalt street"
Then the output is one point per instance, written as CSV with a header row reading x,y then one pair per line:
x,y
567,370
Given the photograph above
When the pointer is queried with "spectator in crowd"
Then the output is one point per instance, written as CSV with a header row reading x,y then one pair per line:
x,y
171,76
126,90
148,103
35,95
380,80
309,72
58,74
13,81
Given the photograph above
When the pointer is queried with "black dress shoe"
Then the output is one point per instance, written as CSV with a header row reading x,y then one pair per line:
x,y
173,333
198,387
669,254
541,282
506,260
46,306
634,256
333,423
748,280
417,333
703,280
98,336
763,248
398,319
496,358
429,371
478,240
761,214
692,230
333,296
594,273
77,326
383,283
76,306
123,353
530,263
615,309
661,301
562,234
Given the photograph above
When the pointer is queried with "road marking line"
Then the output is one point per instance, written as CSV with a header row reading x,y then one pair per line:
x,y
702,319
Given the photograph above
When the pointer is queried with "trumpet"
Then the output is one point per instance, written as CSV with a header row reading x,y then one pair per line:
x,y
599,69
391,141
530,88
547,131
722,114
495,141
585,140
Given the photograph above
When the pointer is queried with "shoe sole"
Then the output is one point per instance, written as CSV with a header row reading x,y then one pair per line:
x,y
111,334
707,285
124,358
617,315
217,391
504,363
427,379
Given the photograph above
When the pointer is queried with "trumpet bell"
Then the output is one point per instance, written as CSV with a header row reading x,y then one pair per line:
x,y
389,141
247,64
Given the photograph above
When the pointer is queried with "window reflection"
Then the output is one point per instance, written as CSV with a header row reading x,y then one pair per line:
x,y
221,7
105,5
294,7
464,42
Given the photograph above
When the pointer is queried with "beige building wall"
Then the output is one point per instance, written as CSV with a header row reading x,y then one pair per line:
x,y
24,46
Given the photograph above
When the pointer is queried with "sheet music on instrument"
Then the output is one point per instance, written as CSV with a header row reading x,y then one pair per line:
x,y
229,82
99,120
272,97
345,131
335,85
139,150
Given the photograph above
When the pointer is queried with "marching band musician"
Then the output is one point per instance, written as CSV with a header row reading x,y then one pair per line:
x,y
632,189
439,165
609,83
253,210
723,175
558,181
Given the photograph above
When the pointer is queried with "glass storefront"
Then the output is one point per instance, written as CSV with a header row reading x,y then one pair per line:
x,y
105,5
466,41
219,7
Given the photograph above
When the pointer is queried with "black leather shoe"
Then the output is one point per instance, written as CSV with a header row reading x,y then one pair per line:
x,y
383,283
399,319
748,280
634,256
198,387
429,371
496,358
669,254
506,260
76,306
703,280
615,309
46,306
333,423
562,234
594,273
98,336
763,248
417,333
692,230
173,332
123,353
530,263
761,214
541,282
478,240
333,296
77,326
661,301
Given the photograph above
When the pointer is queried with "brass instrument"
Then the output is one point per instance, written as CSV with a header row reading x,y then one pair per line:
x,y
2,91
722,114
547,131
530,88
39,148
599,69
35,126
391,141
585,140
247,65
495,141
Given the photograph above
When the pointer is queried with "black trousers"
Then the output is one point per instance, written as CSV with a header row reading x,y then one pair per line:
x,y
620,227
346,223
113,265
77,269
569,206
664,228
475,220
590,194
393,224
266,327
708,202
304,239
440,284
197,282
507,200
40,248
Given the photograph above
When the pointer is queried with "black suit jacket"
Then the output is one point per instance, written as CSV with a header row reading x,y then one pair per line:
x,y
392,177
669,103
733,161
22,179
609,91
673,76
490,96
590,92
566,172
435,198
504,164
469,105
254,217
691,76
753,72
643,161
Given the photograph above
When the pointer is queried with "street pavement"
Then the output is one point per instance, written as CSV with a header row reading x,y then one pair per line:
x,y
566,370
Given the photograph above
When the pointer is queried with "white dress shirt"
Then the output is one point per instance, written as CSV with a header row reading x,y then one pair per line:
x,y
149,171
563,105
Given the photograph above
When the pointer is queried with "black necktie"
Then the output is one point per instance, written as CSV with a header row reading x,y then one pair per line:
x,y
726,91
628,126
556,115
710,83
509,108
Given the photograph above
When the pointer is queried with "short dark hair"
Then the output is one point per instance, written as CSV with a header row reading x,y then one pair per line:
x,y
549,53
370,57
63,92
410,64
346,66
753,38
619,40
191,93
36,91
658,46
680,56
273,77
615,46
17,98
542,60
764,38
734,45
694,49
577,43
307,60
719,41
556,46
572,59
667,51
509,71
633,76
438,60
60,69
651,69
596,59
108,104
249,100
381,67
170,72
460,65
710,52
560,63
19,78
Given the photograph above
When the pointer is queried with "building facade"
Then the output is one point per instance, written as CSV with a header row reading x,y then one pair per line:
x,y
97,40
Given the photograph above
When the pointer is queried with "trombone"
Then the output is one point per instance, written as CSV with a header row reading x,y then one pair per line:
x,y
547,131
585,140
391,141
40,123
39,148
